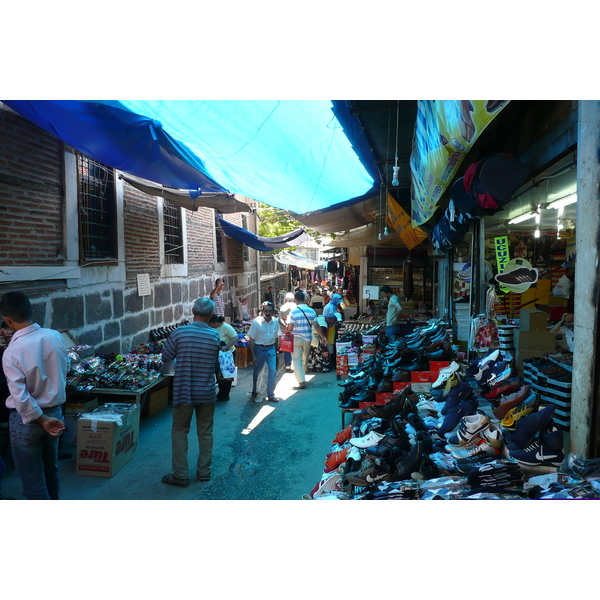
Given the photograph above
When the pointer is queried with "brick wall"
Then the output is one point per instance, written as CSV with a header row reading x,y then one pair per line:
x,y
108,314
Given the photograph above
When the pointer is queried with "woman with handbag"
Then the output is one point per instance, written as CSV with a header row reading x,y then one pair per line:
x,y
228,337
284,311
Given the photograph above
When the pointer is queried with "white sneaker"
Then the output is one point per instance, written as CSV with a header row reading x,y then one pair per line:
x,y
477,448
371,439
444,375
354,453
469,427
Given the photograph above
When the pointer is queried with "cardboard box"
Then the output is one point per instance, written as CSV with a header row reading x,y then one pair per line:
x,y
362,405
438,365
535,340
532,319
156,401
420,377
107,439
421,388
79,406
383,397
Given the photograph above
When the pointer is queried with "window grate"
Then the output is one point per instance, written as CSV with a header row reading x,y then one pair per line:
x,y
97,204
219,240
173,234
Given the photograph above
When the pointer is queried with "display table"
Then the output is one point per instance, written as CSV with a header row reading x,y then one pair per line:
x,y
139,396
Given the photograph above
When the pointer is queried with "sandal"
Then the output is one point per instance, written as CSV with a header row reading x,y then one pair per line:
x,y
172,480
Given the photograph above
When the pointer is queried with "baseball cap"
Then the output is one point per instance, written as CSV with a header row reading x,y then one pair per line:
x,y
268,305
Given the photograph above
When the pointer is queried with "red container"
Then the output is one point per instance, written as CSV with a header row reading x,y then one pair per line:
x,y
438,365
420,376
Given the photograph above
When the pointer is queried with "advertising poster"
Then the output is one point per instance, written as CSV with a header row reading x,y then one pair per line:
x,y
445,131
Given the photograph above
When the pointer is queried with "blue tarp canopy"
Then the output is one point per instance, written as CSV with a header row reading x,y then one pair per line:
x,y
263,244
289,154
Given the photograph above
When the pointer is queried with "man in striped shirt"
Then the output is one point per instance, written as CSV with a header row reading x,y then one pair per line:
x,y
196,347
301,322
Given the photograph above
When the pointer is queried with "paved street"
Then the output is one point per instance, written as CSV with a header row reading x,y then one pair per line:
x,y
261,451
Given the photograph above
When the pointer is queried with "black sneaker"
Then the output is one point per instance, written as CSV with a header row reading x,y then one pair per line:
x,y
427,469
518,276
368,475
409,462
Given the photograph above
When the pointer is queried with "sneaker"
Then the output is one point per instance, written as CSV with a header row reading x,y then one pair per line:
x,y
477,365
444,461
528,427
552,438
506,387
493,436
526,407
389,443
464,465
468,428
444,375
343,436
537,454
505,403
480,445
427,469
334,459
371,439
369,474
255,397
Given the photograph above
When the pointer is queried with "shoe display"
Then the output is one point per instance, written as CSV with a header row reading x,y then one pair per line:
x,y
371,439
469,427
369,474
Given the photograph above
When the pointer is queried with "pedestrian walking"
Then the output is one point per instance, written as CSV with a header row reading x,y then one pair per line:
x,y
263,334
217,297
228,338
301,322
284,311
196,348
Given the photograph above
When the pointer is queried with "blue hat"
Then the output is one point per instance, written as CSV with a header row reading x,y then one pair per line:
x,y
336,299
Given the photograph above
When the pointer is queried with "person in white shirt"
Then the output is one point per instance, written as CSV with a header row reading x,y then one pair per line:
x,y
263,334
35,364
394,308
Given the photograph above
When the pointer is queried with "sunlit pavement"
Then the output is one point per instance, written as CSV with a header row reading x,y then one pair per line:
x,y
262,451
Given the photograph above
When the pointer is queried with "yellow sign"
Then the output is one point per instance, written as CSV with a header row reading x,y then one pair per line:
x,y
445,131
399,219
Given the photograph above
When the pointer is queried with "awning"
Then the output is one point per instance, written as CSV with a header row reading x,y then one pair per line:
x,y
288,154
367,236
348,215
263,244
291,258
190,199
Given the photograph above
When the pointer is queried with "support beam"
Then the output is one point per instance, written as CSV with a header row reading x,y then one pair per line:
x,y
587,279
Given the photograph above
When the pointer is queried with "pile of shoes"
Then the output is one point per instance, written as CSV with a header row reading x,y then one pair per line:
x,y
394,362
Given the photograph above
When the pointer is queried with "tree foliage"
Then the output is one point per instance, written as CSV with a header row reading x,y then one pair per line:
x,y
274,222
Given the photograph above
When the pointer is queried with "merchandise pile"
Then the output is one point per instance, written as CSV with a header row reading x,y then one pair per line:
x,y
478,432
123,371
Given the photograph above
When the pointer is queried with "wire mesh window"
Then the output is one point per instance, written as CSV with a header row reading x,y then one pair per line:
x,y
173,234
97,209
245,248
219,240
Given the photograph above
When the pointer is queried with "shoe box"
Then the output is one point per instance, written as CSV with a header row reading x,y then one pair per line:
x,y
551,391
341,366
420,381
506,336
435,366
107,439
400,385
383,397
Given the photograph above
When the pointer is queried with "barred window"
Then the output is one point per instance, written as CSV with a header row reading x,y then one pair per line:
x,y
219,240
173,234
97,199
245,226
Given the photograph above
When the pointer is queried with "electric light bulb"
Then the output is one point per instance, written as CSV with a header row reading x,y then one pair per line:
x,y
537,233
395,180
385,231
379,237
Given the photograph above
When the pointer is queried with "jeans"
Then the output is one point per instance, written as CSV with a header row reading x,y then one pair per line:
x,y
287,359
392,332
300,358
35,454
182,418
265,355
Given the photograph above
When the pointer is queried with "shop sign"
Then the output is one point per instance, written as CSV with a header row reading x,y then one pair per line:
x,y
502,256
445,131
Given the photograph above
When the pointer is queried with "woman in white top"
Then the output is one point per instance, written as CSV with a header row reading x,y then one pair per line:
x,y
228,337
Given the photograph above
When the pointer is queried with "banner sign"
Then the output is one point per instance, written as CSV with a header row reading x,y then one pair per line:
x,y
502,257
400,221
445,131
